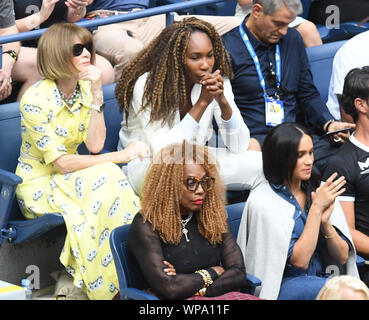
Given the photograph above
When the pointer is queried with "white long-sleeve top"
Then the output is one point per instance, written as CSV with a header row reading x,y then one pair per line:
x,y
235,133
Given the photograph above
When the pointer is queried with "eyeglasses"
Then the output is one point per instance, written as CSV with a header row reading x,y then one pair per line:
x,y
192,183
282,91
78,48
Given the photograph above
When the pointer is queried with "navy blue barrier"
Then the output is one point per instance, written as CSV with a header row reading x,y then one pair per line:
x,y
167,9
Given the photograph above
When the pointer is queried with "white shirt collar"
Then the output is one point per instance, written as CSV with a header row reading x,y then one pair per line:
x,y
358,143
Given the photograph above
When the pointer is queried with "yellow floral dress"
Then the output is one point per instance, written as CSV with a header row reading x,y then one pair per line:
x,y
92,201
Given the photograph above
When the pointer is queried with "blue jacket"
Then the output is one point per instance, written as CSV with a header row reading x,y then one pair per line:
x,y
295,76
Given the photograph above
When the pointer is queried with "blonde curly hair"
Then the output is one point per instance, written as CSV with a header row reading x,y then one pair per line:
x,y
161,194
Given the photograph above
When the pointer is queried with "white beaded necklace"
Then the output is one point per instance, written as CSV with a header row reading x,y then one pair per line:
x,y
184,223
70,101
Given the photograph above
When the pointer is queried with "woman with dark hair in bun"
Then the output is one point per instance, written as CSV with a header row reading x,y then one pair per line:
x,y
292,229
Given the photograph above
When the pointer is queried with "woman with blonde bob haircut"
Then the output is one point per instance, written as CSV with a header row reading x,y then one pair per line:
x,y
54,61
344,288
181,238
90,191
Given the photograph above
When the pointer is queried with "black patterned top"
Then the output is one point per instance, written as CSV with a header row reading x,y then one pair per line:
x,y
187,257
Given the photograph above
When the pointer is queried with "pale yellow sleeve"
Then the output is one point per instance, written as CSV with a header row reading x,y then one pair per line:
x,y
39,127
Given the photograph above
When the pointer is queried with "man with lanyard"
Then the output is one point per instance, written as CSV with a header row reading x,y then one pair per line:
x,y
273,82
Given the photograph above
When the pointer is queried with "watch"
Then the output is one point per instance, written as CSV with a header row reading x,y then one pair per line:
x,y
98,108
12,53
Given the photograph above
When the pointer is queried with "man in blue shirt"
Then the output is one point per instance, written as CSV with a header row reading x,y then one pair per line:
x,y
120,42
273,82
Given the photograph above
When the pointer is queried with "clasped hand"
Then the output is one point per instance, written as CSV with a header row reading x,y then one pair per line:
x,y
212,87
171,271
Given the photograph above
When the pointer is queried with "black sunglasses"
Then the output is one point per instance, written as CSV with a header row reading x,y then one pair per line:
x,y
78,48
192,183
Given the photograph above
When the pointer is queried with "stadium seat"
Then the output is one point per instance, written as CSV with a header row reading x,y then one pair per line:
x,y
131,281
321,60
344,31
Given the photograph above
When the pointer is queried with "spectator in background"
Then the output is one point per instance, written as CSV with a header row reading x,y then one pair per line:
x,y
120,42
344,288
307,29
174,90
39,14
33,14
322,11
272,73
352,161
181,238
9,50
290,239
353,54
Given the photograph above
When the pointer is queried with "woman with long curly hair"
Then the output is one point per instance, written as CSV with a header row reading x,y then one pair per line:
x,y
181,238
174,89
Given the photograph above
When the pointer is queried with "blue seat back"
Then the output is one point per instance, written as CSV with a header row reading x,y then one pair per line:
x,y
10,135
234,216
321,60
113,118
10,142
345,31
127,267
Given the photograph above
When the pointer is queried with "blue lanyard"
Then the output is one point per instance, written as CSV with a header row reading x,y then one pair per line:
x,y
254,57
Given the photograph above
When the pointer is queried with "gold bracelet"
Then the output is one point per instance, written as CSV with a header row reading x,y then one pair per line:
x,y
201,292
206,277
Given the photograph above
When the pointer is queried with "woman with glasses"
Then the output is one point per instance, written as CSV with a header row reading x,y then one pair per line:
x,y
293,234
181,239
176,89
91,192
